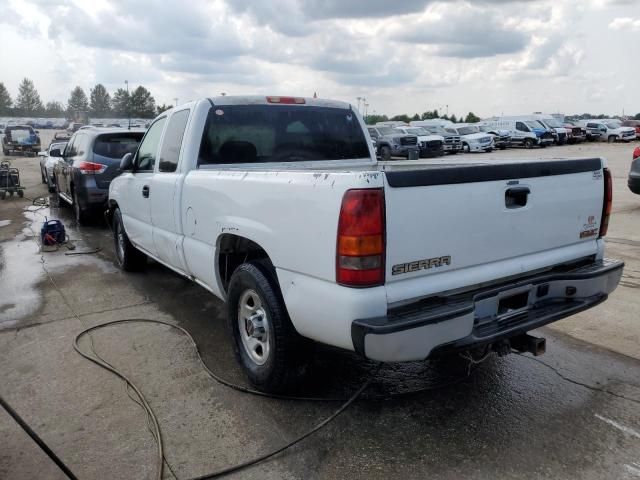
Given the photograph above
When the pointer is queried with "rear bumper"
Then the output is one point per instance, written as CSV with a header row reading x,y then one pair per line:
x,y
634,184
434,326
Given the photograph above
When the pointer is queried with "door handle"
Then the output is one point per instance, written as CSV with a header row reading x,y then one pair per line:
x,y
145,191
516,197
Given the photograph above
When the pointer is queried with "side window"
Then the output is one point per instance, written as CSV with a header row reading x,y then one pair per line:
x,y
592,125
81,145
170,150
68,151
146,156
373,132
520,126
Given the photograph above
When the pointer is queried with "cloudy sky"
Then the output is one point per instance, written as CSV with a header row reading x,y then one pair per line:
x,y
404,56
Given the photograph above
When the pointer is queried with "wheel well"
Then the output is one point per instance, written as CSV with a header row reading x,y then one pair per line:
x,y
233,251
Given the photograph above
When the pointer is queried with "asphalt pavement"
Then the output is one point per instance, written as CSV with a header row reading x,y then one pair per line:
x,y
572,413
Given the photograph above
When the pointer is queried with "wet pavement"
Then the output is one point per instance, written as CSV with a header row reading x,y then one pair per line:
x,y
572,413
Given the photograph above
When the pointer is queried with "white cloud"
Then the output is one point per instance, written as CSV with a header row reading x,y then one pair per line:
x,y
403,56
625,23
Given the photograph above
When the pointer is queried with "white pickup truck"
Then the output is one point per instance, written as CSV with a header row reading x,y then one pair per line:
x,y
278,206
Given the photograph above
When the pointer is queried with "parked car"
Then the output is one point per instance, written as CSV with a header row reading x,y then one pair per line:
x,y
634,124
430,145
48,159
452,142
392,143
501,138
575,133
525,133
20,138
61,137
74,127
473,139
90,161
278,206
611,130
634,173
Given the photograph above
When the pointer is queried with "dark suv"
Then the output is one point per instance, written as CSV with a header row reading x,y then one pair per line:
x,y
89,163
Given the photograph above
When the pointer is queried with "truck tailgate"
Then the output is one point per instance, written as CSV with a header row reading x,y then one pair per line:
x,y
475,223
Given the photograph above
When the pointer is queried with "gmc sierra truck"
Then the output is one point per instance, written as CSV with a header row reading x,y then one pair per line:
x,y
278,206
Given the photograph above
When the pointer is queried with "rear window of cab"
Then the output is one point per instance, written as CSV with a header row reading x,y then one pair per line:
x,y
280,133
116,145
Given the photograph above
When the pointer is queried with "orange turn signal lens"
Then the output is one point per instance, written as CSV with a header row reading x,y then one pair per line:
x,y
362,245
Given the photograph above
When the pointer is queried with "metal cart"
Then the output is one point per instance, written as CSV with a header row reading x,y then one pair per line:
x,y
9,180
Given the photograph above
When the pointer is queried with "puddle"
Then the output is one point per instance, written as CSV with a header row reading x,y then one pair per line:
x,y
21,266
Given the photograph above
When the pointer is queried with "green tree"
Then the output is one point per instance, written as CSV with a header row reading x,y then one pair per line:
x,y
445,117
120,102
162,108
78,102
143,105
373,119
5,100
637,116
401,118
28,101
100,102
54,109
471,118
453,118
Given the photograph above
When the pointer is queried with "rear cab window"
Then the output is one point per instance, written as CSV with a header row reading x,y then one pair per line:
x,y
116,145
280,133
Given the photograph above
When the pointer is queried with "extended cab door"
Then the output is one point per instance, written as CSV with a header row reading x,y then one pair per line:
x,y
167,229
135,206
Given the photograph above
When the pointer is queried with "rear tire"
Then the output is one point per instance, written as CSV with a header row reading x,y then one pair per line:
x,y
82,216
265,342
129,258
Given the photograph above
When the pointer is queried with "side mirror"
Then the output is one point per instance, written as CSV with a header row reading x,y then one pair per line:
x,y
127,162
37,132
43,154
55,152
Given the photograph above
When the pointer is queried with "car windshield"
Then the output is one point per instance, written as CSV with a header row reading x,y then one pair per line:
x,y
417,131
117,145
534,124
18,134
467,130
60,146
281,133
484,128
613,124
552,122
388,131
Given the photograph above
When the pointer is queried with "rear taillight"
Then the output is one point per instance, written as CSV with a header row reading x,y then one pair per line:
x,y
90,168
360,248
636,153
606,205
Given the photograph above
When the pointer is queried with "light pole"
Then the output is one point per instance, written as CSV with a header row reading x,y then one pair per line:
x,y
358,99
176,102
126,82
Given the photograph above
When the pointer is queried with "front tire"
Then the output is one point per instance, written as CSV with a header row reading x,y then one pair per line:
x,y
611,139
129,258
264,339
466,148
528,143
385,153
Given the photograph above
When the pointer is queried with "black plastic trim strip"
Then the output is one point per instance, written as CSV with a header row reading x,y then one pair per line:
x,y
451,175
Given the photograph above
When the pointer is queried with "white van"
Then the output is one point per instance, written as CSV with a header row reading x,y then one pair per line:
x,y
433,122
525,133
